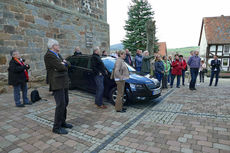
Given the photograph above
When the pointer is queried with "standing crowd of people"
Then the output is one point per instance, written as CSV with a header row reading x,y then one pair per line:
x,y
165,69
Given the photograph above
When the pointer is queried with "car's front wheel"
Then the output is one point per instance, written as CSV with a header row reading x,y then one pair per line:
x,y
113,96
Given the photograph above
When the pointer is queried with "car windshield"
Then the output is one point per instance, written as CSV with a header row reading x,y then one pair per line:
x,y
109,63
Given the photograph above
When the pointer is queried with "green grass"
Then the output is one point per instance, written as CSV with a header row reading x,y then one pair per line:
x,y
182,51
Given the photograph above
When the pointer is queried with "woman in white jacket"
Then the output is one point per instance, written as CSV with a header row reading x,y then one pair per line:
x,y
202,68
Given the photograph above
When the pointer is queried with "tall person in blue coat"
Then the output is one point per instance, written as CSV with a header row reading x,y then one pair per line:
x,y
215,70
159,68
138,60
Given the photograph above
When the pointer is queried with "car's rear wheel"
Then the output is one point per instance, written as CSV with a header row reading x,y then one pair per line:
x,y
113,96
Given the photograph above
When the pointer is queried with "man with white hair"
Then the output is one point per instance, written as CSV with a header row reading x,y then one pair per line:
x,y
99,70
77,51
57,71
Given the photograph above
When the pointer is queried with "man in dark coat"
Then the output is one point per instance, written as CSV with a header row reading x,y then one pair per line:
x,y
215,70
128,58
18,77
57,71
99,73
77,51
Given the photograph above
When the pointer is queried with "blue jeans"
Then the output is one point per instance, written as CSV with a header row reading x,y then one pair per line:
x,y
169,76
138,69
183,76
159,76
99,80
177,82
212,76
194,74
17,89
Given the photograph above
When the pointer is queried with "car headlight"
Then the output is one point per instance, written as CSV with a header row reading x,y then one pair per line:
x,y
135,86
132,86
139,86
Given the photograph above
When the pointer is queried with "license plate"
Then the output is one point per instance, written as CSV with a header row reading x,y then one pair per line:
x,y
156,92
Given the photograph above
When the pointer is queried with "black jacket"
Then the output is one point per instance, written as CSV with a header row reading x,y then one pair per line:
x,y
77,53
57,73
127,59
215,65
97,65
16,73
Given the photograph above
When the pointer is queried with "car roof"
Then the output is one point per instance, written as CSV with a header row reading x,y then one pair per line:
x,y
90,55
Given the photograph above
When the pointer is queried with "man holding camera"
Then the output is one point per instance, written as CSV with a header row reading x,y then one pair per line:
x,y
18,77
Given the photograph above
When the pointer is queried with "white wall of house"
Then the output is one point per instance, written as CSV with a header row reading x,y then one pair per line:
x,y
203,43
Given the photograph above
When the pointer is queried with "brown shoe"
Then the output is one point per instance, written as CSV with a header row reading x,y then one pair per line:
x,y
104,106
101,107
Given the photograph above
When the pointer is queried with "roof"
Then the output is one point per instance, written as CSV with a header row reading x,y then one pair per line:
x,y
217,29
162,48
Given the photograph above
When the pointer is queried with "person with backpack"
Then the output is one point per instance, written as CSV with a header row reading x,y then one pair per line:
x,y
18,78
184,68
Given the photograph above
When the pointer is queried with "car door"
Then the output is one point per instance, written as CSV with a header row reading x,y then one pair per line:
x,y
91,85
79,71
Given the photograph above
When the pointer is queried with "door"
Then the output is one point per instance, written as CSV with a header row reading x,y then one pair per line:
x,y
79,71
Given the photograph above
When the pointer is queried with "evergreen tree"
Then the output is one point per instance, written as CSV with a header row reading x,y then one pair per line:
x,y
140,12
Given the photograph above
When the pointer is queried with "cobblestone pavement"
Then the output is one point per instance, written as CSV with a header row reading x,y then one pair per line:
x,y
179,121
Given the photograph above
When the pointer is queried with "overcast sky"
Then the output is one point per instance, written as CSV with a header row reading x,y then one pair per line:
x,y
178,22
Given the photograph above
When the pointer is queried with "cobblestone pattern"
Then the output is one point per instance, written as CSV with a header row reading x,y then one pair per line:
x,y
166,125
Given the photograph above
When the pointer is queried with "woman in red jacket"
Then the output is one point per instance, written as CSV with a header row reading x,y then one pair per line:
x,y
184,68
176,71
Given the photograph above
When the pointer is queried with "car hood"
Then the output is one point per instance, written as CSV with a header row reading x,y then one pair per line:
x,y
138,79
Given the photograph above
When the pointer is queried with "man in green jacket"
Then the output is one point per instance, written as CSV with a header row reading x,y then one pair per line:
x,y
145,68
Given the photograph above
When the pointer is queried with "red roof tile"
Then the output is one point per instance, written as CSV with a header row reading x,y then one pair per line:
x,y
217,29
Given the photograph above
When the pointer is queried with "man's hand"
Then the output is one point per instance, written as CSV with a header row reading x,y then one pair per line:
x,y
27,66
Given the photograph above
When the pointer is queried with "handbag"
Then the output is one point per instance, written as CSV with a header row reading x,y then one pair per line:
x,y
205,70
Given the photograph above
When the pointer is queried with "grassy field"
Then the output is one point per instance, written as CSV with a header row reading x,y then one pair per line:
x,y
182,51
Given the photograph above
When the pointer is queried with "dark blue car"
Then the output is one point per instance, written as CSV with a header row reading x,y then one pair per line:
x,y
137,87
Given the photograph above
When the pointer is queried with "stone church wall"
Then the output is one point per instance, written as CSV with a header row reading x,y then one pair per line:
x,y
26,25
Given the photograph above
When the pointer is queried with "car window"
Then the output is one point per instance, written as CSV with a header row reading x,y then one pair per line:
x,y
110,62
79,61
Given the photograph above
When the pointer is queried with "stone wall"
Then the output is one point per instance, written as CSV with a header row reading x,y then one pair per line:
x,y
26,25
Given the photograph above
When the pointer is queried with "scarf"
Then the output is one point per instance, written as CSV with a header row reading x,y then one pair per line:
x,y
25,71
